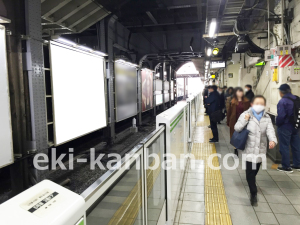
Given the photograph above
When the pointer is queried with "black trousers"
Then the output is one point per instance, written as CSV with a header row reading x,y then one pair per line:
x,y
251,176
214,129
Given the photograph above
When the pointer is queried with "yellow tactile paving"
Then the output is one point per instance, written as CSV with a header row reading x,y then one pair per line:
x,y
216,207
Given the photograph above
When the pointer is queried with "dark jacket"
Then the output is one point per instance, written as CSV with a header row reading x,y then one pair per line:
x,y
232,114
213,102
249,95
284,111
205,93
222,100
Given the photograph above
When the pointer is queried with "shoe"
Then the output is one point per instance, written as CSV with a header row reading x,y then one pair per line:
x,y
296,168
213,141
253,199
236,152
286,170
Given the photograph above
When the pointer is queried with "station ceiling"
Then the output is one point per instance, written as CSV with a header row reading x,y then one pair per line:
x,y
155,17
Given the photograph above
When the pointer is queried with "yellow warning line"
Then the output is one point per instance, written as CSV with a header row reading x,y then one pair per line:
x,y
216,207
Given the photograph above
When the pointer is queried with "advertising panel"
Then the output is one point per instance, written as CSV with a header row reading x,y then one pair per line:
x,y
147,89
159,85
159,99
6,152
79,105
172,90
126,91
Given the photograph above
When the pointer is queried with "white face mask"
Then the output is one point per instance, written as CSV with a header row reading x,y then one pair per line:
x,y
258,108
246,90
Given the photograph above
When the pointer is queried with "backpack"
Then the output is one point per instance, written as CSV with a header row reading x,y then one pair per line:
x,y
295,118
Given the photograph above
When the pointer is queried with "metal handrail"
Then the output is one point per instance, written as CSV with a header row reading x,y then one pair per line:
x,y
105,178
91,190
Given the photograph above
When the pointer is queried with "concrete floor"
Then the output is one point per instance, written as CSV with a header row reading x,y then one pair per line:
x,y
278,193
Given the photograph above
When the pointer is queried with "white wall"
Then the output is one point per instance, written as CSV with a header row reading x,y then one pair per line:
x,y
235,69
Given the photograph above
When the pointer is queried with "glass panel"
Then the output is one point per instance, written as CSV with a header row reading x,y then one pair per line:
x,y
123,202
155,180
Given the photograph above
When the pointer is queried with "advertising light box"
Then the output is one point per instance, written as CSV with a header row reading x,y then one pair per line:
x,y
172,90
167,97
126,91
159,99
79,105
147,89
218,64
6,152
159,85
167,85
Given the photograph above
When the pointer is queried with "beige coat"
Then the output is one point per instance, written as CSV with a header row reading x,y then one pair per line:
x,y
261,133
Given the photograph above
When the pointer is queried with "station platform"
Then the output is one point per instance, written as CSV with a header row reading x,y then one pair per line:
x,y
222,196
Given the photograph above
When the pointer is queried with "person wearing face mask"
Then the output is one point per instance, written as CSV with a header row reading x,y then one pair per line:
x,y
261,135
248,92
238,104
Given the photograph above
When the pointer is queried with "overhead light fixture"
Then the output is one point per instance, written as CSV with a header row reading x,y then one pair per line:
x,y
206,67
100,53
68,42
75,45
215,51
85,48
207,63
208,52
121,61
4,20
212,28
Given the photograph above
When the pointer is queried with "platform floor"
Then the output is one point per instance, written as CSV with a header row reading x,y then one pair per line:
x,y
202,201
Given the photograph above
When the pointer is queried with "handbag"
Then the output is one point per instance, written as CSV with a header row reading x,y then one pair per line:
x,y
239,139
216,116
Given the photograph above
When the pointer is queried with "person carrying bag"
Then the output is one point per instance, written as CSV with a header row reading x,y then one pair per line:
x,y
261,135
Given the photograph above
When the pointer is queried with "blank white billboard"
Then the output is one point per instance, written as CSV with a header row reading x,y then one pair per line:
x,y
6,151
159,99
78,92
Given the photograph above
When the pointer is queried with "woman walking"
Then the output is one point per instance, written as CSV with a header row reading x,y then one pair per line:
x,y
228,97
238,105
261,133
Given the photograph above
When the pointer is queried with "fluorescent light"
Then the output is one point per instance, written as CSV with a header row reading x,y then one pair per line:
x,y
4,20
85,48
65,41
206,67
207,63
209,52
212,28
100,53
121,61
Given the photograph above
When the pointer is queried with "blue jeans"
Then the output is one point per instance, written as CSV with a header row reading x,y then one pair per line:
x,y
287,138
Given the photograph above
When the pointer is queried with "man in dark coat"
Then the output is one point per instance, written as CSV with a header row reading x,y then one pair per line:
x,y
205,96
287,134
248,92
213,103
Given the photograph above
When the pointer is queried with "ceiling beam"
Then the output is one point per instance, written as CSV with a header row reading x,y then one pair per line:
x,y
73,12
165,24
56,8
199,10
151,17
84,17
